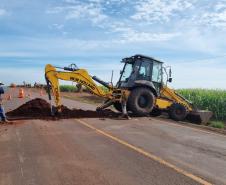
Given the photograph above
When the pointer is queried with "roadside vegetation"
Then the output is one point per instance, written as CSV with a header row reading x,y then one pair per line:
x,y
217,124
86,98
73,88
68,88
208,99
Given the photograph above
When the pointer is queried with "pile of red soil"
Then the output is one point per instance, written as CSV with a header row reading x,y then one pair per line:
x,y
40,109
79,113
34,108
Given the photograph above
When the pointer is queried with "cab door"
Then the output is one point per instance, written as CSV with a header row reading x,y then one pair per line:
x,y
145,71
157,75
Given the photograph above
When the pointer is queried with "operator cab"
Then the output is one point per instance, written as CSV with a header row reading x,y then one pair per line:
x,y
141,70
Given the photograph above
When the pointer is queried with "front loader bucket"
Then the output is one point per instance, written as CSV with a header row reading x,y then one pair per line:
x,y
199,116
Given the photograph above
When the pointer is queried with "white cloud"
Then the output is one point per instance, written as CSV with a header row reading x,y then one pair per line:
x,y
70,1
57,26
94,14
55,10
86,11
189,13
159,10
108,1
220,6
90,12
216,18
3,12
138,36
129,34
124,27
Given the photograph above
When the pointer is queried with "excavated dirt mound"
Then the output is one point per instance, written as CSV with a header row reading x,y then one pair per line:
x,y
34,108
40,109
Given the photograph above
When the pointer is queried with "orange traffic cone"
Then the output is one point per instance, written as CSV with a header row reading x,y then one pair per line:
x,y
21,93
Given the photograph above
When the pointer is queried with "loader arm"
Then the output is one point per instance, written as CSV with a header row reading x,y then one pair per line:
x,y
80,76
168,97
174,97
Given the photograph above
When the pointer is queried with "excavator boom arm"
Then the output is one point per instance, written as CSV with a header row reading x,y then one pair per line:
x,y
80,76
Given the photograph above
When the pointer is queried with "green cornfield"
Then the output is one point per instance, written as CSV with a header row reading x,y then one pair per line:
x,y
207,99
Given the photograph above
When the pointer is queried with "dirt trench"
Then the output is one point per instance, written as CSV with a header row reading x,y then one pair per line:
x,y
40,109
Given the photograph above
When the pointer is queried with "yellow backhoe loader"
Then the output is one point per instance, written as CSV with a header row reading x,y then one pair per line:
x,y
140,89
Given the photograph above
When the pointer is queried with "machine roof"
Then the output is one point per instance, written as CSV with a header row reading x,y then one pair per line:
x,y
143,56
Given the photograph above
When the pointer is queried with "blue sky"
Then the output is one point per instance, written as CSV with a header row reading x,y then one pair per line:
x,y
189,35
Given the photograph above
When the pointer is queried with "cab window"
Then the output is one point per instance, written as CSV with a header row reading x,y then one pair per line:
x,y
145,71
127,72
157,72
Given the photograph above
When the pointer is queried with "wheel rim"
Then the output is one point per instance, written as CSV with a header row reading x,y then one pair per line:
x,y
179,111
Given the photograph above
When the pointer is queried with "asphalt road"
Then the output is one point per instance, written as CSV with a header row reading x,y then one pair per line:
x,y
106,151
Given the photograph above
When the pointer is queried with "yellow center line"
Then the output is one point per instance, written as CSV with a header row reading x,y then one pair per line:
x,y
190,127
147,154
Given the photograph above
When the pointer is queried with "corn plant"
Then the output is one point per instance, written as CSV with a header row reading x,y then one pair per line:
x,y
207,99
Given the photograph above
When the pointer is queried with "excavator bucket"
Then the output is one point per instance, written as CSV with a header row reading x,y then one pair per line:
x,y
199,116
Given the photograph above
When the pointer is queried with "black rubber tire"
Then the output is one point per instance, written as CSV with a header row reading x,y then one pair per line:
x,y
177,112
118,106
141,101
156,112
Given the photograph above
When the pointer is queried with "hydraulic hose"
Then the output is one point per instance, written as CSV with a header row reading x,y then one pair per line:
x,y
101,82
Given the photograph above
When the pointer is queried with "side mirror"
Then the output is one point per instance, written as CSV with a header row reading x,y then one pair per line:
x,y
120,72
170,76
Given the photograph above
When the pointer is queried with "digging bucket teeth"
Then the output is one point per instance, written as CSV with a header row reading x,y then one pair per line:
x,y
200,116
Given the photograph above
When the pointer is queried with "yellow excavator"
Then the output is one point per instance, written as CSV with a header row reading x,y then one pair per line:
x,y
140,89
